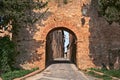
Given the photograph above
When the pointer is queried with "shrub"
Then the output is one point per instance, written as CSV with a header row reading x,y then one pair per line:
x,y
7,54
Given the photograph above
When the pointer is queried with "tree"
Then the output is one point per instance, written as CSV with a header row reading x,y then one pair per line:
x,y
13,12
18,11
110,10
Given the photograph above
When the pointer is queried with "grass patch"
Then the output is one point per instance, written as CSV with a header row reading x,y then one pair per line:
x,y
104,77
107,73
16,74
114,73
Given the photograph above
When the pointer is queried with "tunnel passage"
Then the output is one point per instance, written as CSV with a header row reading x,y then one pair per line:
x,y
60,46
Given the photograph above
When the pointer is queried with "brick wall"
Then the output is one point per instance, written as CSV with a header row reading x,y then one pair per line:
x,y
94,37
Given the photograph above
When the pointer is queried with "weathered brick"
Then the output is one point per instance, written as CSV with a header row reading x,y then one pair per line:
x,y
94,38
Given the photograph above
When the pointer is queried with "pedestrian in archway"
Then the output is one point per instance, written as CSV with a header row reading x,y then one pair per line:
x,y
65,55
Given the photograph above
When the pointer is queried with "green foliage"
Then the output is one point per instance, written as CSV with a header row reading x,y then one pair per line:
x,y
7,54
99,70
19,11
107,73
115,73
110,10
16,74
103,77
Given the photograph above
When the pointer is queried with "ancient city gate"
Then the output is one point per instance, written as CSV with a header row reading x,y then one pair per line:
x,y
93,38
33,47
82,54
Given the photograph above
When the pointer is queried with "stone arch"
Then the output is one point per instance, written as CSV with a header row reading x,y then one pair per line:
x,y
62,28
65,24
57,25
72,54
82,57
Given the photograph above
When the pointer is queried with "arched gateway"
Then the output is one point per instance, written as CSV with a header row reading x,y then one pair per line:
x,y
92,37
80,61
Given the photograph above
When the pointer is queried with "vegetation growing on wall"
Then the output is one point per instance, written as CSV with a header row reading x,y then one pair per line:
x,y
110,10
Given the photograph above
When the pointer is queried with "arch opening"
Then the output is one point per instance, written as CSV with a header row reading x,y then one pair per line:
x,y
60,46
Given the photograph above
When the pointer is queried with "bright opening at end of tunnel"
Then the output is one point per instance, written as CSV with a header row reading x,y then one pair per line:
x,y
66,43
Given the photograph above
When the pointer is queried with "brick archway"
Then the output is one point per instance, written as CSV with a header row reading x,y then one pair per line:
x,y
82,57
92,38
58,25
65,24
52,41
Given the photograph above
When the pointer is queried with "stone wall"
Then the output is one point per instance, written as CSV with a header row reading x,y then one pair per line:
x,y
54,45
93,38
72,48
58,44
